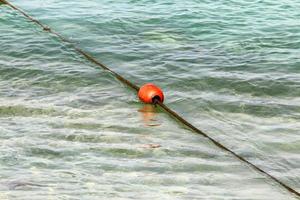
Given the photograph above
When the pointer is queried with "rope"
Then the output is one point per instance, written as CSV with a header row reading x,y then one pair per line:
x,y
163,106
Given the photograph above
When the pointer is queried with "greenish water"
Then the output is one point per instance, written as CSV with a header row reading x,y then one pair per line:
x,y
70,130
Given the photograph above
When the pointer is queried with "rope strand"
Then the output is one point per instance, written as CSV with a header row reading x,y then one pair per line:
x,y
163,106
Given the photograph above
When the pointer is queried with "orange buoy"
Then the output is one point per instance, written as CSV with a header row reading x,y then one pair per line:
x,y
150,93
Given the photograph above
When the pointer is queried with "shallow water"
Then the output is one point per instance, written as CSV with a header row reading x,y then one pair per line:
x,y
71,131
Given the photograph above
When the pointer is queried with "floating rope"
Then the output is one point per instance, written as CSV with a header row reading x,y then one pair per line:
x,y
163,106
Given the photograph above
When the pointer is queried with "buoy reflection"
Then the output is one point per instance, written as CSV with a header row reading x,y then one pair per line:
x,y
149,115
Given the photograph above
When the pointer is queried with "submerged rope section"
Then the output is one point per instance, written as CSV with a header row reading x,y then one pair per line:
x,y
163,106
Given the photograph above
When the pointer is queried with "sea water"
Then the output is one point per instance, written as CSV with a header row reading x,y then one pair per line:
x,y
70,130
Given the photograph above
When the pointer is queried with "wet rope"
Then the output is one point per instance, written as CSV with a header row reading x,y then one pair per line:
x,y
163,106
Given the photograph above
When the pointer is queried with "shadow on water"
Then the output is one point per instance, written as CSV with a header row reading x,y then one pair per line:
x,y
23,185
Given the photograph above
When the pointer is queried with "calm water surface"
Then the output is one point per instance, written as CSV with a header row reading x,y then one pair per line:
x,y
70,130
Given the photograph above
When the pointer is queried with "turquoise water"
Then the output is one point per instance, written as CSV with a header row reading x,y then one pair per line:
x,y
70,130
